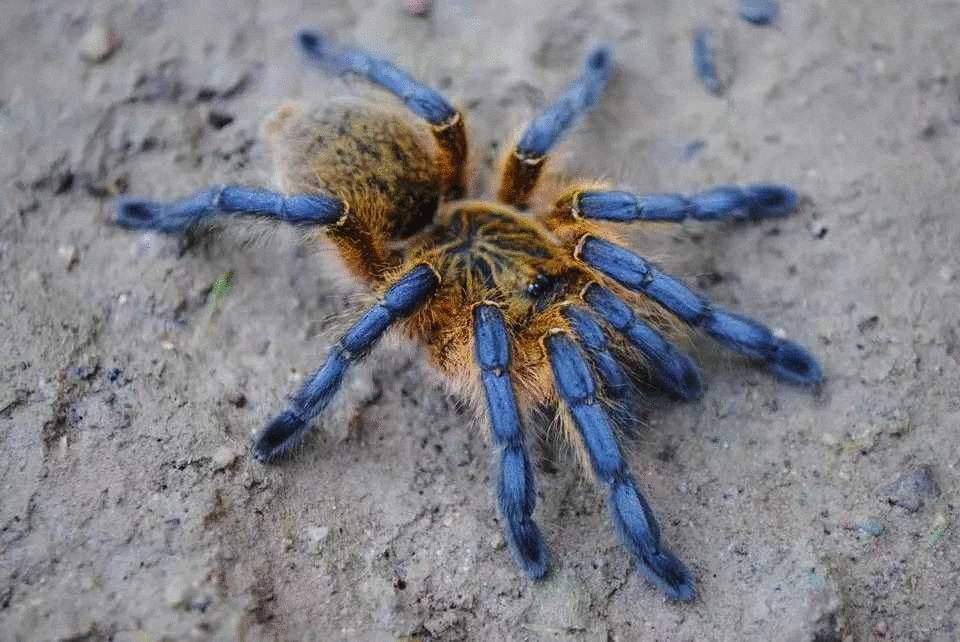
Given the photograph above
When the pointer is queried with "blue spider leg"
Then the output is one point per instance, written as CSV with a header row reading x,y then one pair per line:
x,y
673,369
523,166
516,495
182,215
729,202
592,337
559,116
445,120
420,99
705,61
630,512
401,299
786,359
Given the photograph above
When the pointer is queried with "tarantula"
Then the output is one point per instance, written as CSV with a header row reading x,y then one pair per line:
x,y
520,311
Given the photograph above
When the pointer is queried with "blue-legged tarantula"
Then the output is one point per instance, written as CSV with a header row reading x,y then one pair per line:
x,y
521,310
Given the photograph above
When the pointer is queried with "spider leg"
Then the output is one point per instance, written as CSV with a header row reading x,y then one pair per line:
x,y
182,215
584,325
673,369
630,512
705,61
445,121
516,496
523,166
786,359
401,299
722,203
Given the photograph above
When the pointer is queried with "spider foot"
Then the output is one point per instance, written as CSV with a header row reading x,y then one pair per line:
x,y
139,214
279,437
786,359
640,533
528,548
794,363
665,571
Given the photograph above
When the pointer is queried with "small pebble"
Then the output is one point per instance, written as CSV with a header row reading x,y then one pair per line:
x,y
219,119
317,533
818,230
317,537
69,255
419,8
98,43
224,81
870,527
224,457
911,489
939,528
497,542
236,398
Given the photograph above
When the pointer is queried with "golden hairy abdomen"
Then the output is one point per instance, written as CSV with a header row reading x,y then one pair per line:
x,y
379,162
349,146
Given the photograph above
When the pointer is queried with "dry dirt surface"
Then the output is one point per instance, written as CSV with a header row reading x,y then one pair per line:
x,y
134,367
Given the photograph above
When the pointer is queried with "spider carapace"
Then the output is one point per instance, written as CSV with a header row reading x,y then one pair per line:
x,y
523,303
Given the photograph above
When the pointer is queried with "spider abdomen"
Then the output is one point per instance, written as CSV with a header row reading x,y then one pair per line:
x,y
365,155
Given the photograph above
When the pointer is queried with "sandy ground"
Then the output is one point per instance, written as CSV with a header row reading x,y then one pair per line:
x,y
130,382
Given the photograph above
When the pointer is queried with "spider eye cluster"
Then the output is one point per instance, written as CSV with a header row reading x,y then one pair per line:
x,y
539,285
